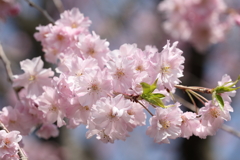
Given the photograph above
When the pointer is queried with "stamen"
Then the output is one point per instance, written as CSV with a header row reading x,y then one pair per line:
x,y
32,78
165,123
165,69
119,73
214,112
91,51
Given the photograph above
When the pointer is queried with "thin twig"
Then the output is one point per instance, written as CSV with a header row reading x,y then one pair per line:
x,y
230,130
59,5
191,107
199,97
8,69
184,102
145,108
190,96
21,154
40,10
195,88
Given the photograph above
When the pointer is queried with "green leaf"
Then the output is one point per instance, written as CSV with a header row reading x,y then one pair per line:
x,y
220,101
159,95
156,101
147,88
152,98
226,87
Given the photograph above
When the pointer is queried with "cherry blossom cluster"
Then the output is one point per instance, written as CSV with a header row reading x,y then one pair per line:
x,y
8,8
171,123
201,22
102,88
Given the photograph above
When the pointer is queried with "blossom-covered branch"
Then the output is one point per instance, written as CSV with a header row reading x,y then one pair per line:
x,y
192,107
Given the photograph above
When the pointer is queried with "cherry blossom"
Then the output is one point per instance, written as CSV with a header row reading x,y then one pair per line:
x,y
47,130
168,66
102,88
51,104
110,118
198,21
8,8
226,95
213,116
34,78
9,143
190,124
165,124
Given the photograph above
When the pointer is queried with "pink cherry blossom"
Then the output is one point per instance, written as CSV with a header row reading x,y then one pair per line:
x,y
109,118
212,117
165,124
53,107
9,143
139,116
78,113
122,69
190,124
47,130
34,76
8,8
92,86
200,22
93,46
13,119
168,66
75,20
226,95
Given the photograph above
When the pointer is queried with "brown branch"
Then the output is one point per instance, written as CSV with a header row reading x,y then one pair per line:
x,y
191,107
145,108
59,5
40,10
8,69
195,88
195,105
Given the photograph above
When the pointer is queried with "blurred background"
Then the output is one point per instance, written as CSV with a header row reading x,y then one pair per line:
x,y
126,21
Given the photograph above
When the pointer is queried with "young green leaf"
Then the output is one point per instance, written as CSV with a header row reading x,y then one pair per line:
x,y
220,101
155,101
159,95
147,88
152,98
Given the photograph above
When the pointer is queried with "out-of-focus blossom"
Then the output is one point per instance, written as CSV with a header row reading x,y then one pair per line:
x,y
8,8
200,22
48,130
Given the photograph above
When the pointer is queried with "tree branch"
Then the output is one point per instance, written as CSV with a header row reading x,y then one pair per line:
x,y
145,108
40,10
195,88
230,130
59,5
8,69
